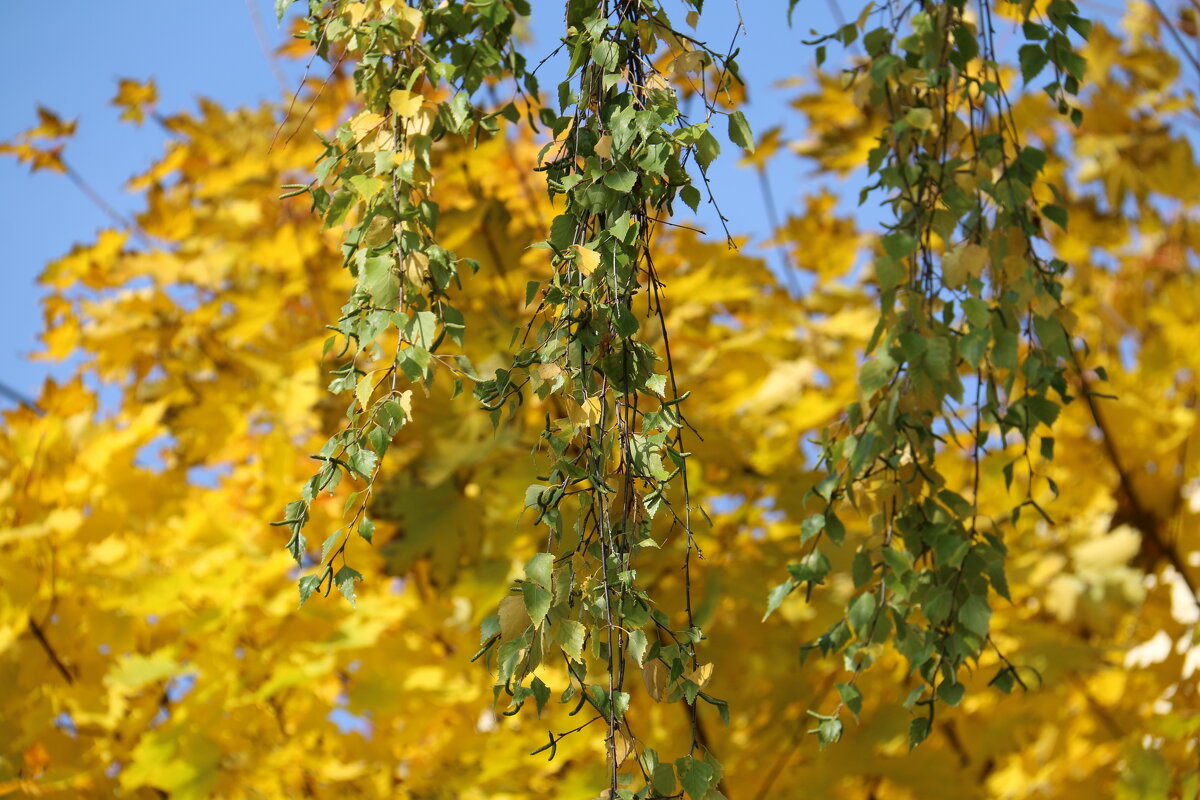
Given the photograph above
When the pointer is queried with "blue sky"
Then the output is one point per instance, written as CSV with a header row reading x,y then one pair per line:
x,y
211,49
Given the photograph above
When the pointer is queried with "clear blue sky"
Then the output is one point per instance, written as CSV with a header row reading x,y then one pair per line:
x,y
211,49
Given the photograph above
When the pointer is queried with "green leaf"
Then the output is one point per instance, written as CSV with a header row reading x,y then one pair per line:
x,y
308,584
663,779
638,645
540,569
562,231
366,529
951,693
861,569
918,731
777,596
899,245
345,580
811,527
695,775
281,7
739,131
620,180
707,150
851,697
875,374
541,693
937,358
366,187
537,601
975,614
862,609
1056,214
889,272
363,461
691,196
1033,60
606,54
835,530
380,281
811,569
571,636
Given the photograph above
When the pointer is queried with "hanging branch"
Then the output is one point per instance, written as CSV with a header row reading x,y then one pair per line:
x,y
617,161
965,293
376,175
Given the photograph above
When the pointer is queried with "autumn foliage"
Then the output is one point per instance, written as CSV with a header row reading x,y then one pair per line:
x,y
151,642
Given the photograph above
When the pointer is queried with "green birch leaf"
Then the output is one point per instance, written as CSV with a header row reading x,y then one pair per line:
x,y
739,131
537,601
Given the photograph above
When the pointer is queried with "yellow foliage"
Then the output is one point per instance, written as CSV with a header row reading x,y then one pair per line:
x,y
150,641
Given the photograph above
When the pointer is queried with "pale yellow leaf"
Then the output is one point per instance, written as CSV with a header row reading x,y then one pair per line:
x,y
514,619
604,146
624,746
363,390
962,263
416,267
701,675
654,675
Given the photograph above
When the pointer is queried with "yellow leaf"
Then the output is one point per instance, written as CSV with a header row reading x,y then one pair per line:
x,y
514,619
920,118
654,675
409,21
604,146
624,747
416,267
134,98
355,12
689,62
135,671
364,123
587,414
962,263
363,390
586,259
405,401
701,675
405,103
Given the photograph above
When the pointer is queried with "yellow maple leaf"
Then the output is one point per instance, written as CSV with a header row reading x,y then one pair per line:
x,y
134,99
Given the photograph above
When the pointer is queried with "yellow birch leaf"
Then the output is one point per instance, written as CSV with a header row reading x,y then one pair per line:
x,y
416,266
654,675
364,389
624,747
962,263
409,21
364,122
405,103
691,61
514,619
604,146
701,675
355,13
586,259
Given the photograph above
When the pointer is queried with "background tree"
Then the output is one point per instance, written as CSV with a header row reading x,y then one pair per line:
x,y
152,640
